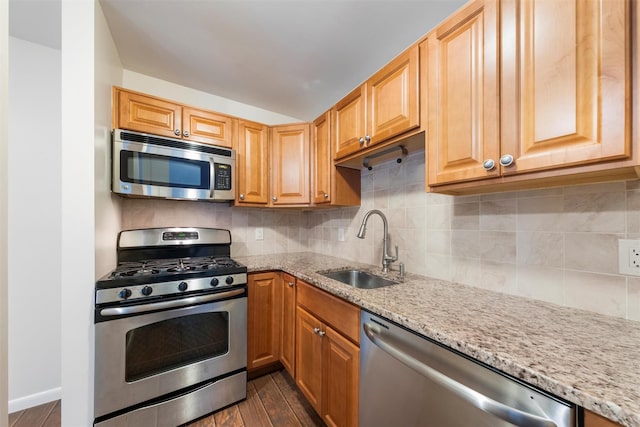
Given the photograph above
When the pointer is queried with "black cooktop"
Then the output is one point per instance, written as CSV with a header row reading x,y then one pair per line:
x,y
164,270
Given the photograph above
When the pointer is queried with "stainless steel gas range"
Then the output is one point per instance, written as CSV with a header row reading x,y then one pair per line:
x,y
170,328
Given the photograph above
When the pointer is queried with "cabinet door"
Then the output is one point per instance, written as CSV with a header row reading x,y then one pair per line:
x,y
263,319
463,111
594,420
206,127
348,123
290,162
566,82
323,163
341,369
288,331
392,98
147,114
252,164
309,357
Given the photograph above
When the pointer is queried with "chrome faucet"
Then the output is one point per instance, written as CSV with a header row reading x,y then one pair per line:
x,y
386,258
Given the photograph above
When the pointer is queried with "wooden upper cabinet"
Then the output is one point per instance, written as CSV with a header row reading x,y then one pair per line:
x,y
392,98
386,105
147,114
252,163
290,163
323,162
349,120
463,109
563,112
566,83
206,127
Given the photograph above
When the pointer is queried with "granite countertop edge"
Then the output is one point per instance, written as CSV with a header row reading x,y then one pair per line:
x,y
499,330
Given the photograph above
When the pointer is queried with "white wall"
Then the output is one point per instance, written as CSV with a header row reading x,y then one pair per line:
x,y
4,202
34,224
196,98
108,72
78,241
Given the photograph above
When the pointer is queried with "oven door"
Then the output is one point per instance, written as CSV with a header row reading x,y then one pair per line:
x,y
147,355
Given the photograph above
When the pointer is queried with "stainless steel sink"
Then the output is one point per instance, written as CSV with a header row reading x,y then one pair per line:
x,y
358,279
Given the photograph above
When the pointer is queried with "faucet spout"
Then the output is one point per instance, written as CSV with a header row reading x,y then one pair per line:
x,y
386,258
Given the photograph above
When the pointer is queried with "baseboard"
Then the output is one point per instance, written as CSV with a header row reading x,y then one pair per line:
x,y
36,399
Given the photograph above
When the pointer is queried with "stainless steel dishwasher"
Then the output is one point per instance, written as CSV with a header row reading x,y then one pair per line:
x,y
408,380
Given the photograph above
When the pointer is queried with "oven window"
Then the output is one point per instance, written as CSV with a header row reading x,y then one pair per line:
x,y
153,169
173,343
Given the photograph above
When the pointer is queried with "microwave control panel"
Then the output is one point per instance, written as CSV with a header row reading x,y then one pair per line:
x,y
222,176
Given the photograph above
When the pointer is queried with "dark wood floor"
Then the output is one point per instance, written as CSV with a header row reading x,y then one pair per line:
x,y
272,400
45,415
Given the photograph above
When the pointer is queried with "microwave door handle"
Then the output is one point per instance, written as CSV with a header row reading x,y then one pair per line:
x,y
212,177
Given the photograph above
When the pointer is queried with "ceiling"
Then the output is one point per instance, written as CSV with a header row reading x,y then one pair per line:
x,y
293,57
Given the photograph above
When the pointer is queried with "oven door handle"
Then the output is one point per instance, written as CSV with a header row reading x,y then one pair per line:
x,y
119,311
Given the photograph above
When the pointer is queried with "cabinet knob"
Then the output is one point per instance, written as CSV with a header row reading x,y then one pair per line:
x,y
290,284
489,164
322,333
361,140
367,138
316,331
326,196
241,196
506,160
185,133
274,198
177,132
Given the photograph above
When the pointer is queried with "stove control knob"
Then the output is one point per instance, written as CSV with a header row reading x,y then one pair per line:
x,y
214,281
183,286
125,293
229,280
146,291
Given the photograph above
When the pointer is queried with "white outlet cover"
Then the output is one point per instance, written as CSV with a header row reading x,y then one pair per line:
x,y
259,233
340,234
629,257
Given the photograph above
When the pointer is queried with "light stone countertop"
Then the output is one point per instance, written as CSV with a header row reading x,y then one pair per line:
x,y
586,358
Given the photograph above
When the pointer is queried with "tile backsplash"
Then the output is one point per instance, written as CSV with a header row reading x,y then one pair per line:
x,y
558,244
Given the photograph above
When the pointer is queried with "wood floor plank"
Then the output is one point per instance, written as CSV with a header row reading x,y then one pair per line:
x,y
14,417
274,402
35,416
298,404
252,411
204,422
229,417
55,417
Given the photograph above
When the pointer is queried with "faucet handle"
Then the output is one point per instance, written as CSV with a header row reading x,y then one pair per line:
x,y
396,257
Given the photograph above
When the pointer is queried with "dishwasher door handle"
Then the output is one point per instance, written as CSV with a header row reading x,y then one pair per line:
x,y
479,400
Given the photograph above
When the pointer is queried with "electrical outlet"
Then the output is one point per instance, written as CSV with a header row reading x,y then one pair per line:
x,y
629,257
259,233
340,234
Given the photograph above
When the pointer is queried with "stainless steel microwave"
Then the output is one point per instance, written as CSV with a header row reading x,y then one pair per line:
x,y
146,165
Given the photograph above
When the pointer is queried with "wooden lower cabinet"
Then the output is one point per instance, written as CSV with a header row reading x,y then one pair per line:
x,y
594,420
263,319
327,362
288,324
341,375
309,358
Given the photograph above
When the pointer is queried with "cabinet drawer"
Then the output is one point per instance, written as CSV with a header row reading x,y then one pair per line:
x,y
341,315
